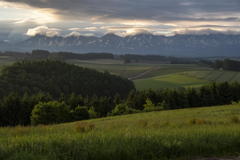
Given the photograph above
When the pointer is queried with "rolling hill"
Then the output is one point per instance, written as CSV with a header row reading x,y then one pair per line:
x,y
176,134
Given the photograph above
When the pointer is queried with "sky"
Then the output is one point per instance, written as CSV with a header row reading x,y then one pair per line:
x,y
22,18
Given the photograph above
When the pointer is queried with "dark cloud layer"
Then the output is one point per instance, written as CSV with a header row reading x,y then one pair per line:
x,y
160,10
103,16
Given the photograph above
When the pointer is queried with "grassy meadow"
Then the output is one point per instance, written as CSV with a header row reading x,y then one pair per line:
x,y
169,81
177,134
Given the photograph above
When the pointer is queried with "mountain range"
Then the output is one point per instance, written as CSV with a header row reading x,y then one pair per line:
x,y
189,45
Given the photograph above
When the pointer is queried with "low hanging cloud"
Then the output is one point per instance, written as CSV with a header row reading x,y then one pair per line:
x,y
207,32
74,33
43,30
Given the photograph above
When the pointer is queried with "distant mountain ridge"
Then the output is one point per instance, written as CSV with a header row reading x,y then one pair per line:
x,y
145,43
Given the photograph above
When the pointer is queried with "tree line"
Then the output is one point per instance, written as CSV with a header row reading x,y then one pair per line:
x,y
42,108
133,58
44,54
127,58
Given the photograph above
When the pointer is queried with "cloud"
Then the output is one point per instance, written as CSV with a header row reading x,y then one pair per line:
x,y
43,30
84,29
74,33
134,31
124,17
207,31
160,10
23,13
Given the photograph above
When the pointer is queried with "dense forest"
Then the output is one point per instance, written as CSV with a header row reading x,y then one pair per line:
x,y
133,58
58,78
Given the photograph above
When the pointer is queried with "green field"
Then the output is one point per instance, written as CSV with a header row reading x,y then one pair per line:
x,y
165,69
124,70
218,76
178,134
157,76
169,81
131,70
187,79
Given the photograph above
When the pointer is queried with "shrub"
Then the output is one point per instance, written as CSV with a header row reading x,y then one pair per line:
x,y
149,106
162,105
50,113
122,109
80,113
235,103
92,113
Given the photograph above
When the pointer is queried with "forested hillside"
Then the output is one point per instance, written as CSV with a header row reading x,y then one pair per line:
x,y
58,78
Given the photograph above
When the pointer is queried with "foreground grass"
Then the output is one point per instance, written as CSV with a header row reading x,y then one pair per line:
x,y
178,134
